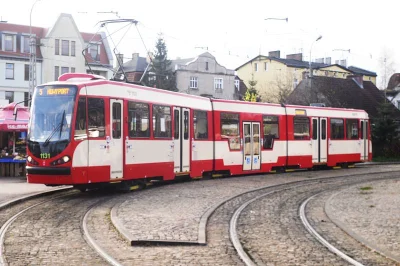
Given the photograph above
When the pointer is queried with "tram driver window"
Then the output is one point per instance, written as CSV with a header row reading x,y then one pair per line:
x,y
200,125
96,115
337,128
80,123
138,120
352,128
271,130
301,128
161,121
230,129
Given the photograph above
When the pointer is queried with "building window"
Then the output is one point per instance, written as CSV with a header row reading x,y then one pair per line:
x,y
65,47
26,72
301,128
64,70
266,66
94,51
337,128
255,67
161,121
72,69
352,128
26,98
271,130
56,72
57,47
218,83
9,71
206,65
230,129
9,43
96,115
193,83
25,44
139,120
200,124
237,84
10,96
72,48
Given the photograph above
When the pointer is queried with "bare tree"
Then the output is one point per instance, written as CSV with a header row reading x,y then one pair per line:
x,y
386,67
284,85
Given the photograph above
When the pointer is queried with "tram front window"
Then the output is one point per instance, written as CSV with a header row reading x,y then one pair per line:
x,y
51,114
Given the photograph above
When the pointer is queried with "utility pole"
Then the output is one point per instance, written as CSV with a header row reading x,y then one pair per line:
x,y
319,38
32,58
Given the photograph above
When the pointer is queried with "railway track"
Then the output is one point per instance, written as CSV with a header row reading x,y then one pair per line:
x,y
80,229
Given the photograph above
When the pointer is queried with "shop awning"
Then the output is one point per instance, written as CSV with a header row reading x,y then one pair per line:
x,y
7,119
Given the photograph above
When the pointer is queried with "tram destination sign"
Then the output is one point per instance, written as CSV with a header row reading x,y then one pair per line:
x,y
55,91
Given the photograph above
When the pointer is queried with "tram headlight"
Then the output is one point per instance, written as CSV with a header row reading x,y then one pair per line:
x,y
29,159
62,160
65,159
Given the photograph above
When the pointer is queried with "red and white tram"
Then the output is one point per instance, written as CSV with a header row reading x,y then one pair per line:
x,y
85,130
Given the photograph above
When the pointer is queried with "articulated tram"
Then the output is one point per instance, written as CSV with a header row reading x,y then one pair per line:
x,y
87,131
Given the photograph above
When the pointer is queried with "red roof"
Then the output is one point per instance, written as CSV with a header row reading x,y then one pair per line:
x,y
7,119
41,33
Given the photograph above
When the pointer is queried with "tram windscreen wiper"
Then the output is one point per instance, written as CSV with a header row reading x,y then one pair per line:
x,y
59,126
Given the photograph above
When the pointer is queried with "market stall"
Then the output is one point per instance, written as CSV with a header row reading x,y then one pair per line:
x,y
13,140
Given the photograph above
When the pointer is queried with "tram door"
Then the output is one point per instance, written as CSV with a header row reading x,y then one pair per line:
x,y
319,141
116,143
251,146
181,140
364,140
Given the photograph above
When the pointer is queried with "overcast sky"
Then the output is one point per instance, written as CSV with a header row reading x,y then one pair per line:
x,y
235,31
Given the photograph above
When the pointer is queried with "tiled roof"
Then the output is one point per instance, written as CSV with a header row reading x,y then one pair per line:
x,y
288,62
357,70
15,28
342,93
41,33
138,64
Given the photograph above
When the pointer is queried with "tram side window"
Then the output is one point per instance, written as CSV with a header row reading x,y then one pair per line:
x,y
161,121
230,129
200,124
271,130
96,115
138,120
337,128
80,123
301,128
116,116
352,129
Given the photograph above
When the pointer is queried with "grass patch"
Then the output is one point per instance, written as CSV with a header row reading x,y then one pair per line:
x,y
365,188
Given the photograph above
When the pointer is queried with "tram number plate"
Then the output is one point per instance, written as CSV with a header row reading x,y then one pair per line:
x,y
45,156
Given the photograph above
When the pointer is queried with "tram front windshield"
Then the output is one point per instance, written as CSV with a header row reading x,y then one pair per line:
x,y
49,129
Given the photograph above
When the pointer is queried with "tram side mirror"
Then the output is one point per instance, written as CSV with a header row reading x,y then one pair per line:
x,y
94,133
15,113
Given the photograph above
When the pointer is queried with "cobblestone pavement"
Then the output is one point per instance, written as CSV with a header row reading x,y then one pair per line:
x,y
270,228
50,234
370,212
174,213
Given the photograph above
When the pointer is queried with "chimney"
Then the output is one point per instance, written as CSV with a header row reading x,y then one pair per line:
x,y
120,59
358,79
276,54
298,56
149,55
135,56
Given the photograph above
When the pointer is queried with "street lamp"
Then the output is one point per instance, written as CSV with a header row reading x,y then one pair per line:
x,y
319,38
32,51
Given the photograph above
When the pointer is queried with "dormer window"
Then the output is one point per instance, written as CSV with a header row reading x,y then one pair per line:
x,y
94,51
9,43
206,65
